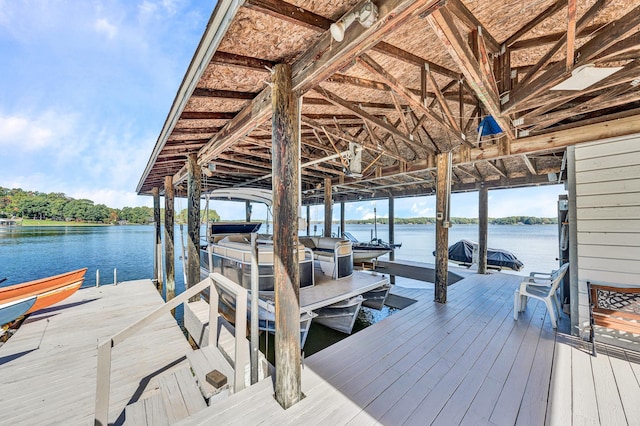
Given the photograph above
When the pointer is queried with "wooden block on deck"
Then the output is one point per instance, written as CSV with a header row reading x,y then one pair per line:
x,y
216,379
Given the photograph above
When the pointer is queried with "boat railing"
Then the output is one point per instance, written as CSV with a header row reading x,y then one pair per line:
x,y
103,382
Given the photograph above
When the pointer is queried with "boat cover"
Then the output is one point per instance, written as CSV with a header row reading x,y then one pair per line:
x,y
462,252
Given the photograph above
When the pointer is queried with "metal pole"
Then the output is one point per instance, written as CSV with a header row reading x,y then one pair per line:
x,y
97,277
115,276
392,238
254,308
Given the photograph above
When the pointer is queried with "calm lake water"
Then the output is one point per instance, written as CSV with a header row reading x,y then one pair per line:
x,y
28,253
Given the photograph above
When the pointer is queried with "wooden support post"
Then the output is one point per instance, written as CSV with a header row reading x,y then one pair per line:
x,y
193,221
328,207
308,220
483,220
392,255
157,248
169,258
247,210
443,191
285,154
342,221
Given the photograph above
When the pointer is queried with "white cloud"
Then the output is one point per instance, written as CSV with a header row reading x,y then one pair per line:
x,y
421,209
21,132
103,26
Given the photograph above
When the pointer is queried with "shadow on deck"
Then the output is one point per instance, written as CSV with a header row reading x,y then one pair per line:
x,y
465,362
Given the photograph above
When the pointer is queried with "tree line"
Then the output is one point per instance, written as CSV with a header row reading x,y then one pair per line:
x,y
58,206
510,220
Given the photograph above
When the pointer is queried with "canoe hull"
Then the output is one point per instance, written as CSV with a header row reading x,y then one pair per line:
x,y
44,292
54,296
13,309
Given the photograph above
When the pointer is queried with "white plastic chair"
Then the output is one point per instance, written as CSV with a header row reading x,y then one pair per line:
x,y
542,286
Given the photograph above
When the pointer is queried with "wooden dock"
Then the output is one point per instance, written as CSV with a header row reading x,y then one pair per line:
x,y
48,368
466,362
327,291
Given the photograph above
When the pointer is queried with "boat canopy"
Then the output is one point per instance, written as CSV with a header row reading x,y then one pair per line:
x,y
242,194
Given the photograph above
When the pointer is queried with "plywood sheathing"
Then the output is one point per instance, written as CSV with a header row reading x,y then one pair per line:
x,y
224,77
279,40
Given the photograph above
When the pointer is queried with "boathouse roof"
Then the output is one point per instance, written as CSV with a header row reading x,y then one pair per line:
x,y
414,80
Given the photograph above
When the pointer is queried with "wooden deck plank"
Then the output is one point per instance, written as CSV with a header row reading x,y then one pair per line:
x,y
67,335
585,404
536,394
559,405
628,387
483,404
610,409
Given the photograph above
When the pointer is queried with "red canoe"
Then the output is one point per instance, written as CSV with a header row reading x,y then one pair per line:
x,y
48,290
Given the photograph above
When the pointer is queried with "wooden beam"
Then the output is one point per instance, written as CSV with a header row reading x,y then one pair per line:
x,y
207,115
441,100
326,56
549,11
443,197
336,100
157,247
290,13
619,95
328,207
169,256
460,10
608,36
443,24
194,185
239,61
529,164
205,92
584,20
286,179
483,221
415,103
571,33
534,42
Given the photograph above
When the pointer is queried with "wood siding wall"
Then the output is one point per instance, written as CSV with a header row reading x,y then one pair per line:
x,y
608,211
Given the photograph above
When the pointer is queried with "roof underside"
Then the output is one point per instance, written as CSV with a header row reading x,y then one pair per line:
x,y
415,84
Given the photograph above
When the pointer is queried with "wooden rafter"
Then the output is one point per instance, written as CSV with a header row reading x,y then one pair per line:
x,y
441,100
239,61
607,37
529,164
534,22
205,92
206,115
415,103
460,10
615,96
403,119
445,28
320,127
338,101
314,66
584,20
495,168
571,33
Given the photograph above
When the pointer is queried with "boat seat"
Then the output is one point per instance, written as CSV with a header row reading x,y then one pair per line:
x,y
239,248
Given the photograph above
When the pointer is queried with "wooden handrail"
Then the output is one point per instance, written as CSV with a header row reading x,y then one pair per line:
x,y
103,381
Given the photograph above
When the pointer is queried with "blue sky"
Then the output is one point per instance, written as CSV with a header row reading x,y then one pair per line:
x,y
85,88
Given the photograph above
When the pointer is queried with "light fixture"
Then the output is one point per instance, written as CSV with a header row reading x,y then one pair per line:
x,y
584,76
367,15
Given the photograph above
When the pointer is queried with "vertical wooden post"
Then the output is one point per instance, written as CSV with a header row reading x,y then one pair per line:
x,y
308,220
247,210
443,190
194,178
342,221
285,149
392,232
328,207
157,258
169,258
483,222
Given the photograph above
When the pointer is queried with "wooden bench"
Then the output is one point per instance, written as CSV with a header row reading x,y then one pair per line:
x,y
616,308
